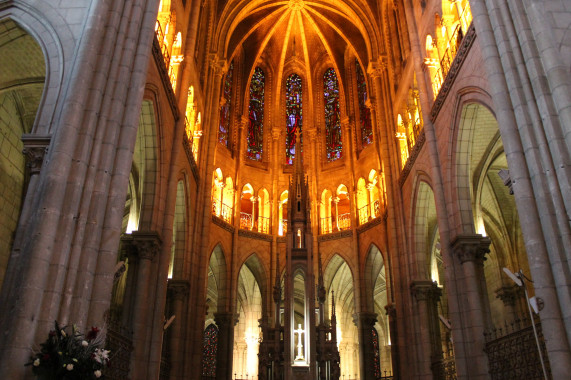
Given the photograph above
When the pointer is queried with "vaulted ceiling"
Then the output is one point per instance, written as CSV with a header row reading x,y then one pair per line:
x,y
304,34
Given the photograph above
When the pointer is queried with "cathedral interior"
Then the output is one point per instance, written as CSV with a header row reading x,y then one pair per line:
x,y
289,189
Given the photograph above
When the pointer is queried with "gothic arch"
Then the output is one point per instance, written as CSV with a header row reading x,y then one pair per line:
x,y
217,289
22,91
145,163
374,270
424,224
180,233
43,34
464,157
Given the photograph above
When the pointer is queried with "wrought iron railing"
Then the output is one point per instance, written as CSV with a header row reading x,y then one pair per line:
x,y
164,47
344,221
326,225
120,344
222,210
513,353
264,225
246,222
363,213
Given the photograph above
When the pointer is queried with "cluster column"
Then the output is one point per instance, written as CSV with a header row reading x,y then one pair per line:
x,y
470,251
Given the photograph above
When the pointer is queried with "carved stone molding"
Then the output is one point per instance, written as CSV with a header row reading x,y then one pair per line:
x,y
471,248
391,310
255,235
335,235
225,319
509,294
365,319
424,290
178,289
147,244
35,149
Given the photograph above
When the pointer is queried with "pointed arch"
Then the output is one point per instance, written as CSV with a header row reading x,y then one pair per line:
x,y
21,87
180,232
145,163
217,289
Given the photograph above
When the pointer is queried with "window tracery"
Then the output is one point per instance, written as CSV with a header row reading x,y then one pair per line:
x,y
293,115
256,116
226,103
364,111
209,349
332,115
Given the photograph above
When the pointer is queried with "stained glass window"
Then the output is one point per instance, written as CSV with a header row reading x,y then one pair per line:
x,y
364,111
293,115
256,115
224,127
210,346
376,358
332,115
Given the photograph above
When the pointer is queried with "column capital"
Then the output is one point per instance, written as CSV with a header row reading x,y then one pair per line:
x,y
391,310
470,247
509,294
35,149
225,319
377,68
220,66
424,290
147,244
365,319
178,289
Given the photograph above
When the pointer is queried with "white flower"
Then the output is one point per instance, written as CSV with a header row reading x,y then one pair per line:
x,y
37,362
84,343
97,374
69,367
101,355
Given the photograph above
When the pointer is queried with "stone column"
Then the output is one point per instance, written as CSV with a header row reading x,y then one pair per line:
x,y
365,322
35,149
225,322
336,201
393,332
147,245
427,294
470,251
178,291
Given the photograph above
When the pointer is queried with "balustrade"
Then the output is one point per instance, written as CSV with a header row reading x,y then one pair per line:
x,y
363,213
326,225
344,221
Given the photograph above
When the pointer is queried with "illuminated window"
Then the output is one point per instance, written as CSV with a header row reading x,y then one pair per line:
x,y
293,115
376,357
224,125
192,123
332,116
364,111
209,349
256,116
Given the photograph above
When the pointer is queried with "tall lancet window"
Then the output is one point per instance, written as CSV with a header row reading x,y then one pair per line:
x,y
256,115
209,349
332,115
293,115
364,111
224,126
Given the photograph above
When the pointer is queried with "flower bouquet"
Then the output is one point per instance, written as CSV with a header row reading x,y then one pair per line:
x,y
69,355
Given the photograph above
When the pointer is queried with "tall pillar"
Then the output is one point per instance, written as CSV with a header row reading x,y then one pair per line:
x,y
147,245
470,251
393,333
178,291
225,322
365,322
427,294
